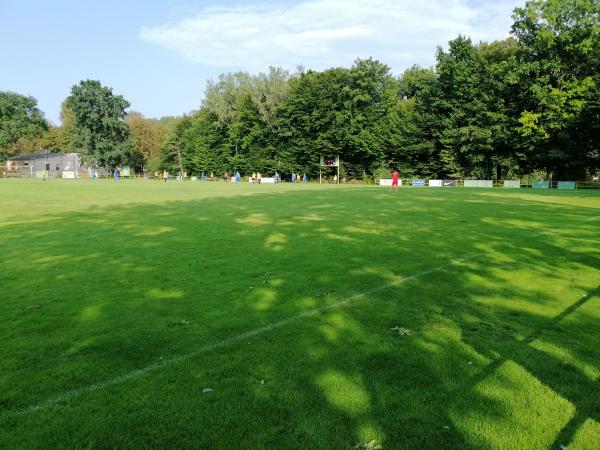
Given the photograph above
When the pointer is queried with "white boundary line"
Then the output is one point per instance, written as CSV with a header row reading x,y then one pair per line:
x,y
236,338
590,219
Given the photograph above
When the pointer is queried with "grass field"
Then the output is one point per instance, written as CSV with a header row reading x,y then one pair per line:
x,y
144,315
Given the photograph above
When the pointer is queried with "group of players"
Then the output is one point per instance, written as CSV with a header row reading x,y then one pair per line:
x,y
256,177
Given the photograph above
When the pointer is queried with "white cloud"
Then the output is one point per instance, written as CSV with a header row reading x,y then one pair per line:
x,y
325,33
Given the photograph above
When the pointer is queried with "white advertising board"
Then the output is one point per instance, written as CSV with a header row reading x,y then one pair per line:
x,y
512,184
388,182
262,180
479,183
68,174
435,183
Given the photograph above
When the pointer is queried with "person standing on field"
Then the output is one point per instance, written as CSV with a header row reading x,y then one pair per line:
x,y
395,180
116,174
165,175
238,177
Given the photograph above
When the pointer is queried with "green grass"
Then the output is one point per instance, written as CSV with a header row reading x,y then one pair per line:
x,y
122,304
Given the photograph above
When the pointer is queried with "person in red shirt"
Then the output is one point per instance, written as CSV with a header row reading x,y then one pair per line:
x,y
395,178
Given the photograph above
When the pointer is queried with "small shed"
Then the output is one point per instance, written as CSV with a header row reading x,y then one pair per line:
x,y
58,165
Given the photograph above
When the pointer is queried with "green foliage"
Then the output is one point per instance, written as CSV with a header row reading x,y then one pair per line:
x,y
467,109
338,112
237,127
99,129
487,110
559,67
148,136
53,140
19,119
408,131
167,121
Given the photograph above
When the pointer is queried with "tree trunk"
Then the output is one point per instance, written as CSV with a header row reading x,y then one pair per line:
x,y
179,159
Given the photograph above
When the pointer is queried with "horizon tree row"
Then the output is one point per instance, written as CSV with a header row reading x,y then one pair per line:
x,y
526,104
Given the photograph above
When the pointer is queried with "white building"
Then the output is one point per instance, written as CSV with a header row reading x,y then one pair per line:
x,y
58,165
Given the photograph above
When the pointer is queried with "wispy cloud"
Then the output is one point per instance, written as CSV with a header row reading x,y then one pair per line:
x,y
325,33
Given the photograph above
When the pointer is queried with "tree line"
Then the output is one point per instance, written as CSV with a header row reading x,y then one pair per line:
x,y
526,104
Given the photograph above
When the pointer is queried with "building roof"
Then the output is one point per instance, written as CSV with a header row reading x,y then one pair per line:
x,y
35,156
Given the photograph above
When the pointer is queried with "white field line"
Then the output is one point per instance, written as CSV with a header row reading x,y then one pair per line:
x,y
589,219
207,348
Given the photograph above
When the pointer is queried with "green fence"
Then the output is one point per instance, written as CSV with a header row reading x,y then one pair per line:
x,y
566,185
541,185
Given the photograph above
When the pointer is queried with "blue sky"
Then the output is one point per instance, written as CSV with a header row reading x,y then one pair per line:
x,y
160,54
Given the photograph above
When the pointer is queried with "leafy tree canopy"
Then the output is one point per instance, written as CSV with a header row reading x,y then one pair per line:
x,y
19,119
99,129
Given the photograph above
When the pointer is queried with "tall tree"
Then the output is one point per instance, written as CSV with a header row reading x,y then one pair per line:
x,y
67,128
225,99
99,129
464,112
560,70
148,136
409,143
53,140
247,111
465,135
338,111
19,119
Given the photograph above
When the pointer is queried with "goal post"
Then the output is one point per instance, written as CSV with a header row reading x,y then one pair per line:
x,y
330,161
14,171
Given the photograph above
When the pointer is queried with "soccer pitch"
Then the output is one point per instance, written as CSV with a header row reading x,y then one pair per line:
x,y
216,316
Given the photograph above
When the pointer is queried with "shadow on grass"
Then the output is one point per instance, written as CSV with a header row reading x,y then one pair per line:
x,y
499,352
